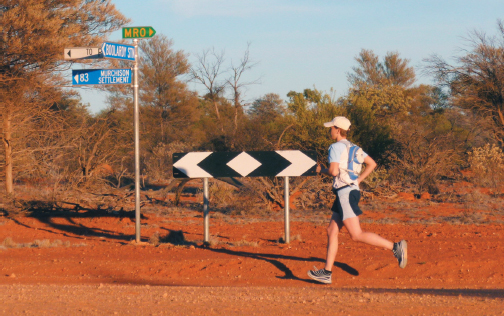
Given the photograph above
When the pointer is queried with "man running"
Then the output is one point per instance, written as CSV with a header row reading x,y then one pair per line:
x,y
346,204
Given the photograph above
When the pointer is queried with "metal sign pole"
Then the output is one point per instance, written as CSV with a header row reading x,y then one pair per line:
x,y
206,211
286,202
137,145
280,163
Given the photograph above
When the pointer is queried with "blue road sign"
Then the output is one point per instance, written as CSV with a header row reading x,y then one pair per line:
x,y
82,77
118,51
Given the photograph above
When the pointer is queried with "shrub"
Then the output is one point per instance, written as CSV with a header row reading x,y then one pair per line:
x,y
487,164
175,237
423,156
375,179
158,161
9,243
46,243
154,239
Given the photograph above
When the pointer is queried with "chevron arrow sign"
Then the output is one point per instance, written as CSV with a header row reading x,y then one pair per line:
x,y
281,163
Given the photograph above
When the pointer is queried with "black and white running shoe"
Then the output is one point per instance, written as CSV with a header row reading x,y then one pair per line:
x,y
401,253
320,275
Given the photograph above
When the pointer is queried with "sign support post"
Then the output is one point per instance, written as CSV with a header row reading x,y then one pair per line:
x,y
286,209
206,211
137,144
280,163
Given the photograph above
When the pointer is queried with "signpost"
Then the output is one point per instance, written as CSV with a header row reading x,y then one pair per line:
x,y
138,32
118,51
136,120
116,76
82,53
82,77
280,163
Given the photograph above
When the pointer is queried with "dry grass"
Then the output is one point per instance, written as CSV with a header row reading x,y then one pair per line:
x,y
213,241
383,221
244,243
45,243
423,221
466,218
154,239
297,237
9,243
147,226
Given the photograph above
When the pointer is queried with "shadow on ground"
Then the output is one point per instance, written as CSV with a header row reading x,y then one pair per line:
x,y
46,214
274,260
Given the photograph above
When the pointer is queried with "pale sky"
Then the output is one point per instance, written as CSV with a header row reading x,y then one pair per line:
x,y
306,44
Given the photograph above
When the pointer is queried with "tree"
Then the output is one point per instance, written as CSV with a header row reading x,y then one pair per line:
x,y
235,82
94,145
368,130
41,134
164,97
393,70
425,150
476,82
34,35
228,108
387,84
267,108
207,72
264,125
309,111
403,126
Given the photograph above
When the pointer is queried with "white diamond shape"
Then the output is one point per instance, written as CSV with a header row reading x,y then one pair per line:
x,y
244,164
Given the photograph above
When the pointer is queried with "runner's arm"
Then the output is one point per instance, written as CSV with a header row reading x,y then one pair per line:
x,y
332,171
370,166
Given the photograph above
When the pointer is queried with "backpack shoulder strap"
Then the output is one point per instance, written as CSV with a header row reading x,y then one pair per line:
x,y
347,143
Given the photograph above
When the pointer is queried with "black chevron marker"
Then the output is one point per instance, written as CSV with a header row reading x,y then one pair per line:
x,y
244,164
271,163
216,164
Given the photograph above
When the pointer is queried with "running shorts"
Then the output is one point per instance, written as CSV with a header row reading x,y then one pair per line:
x,y
346,203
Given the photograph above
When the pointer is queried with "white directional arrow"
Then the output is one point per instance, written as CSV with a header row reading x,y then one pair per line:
x,y
76,78
189,165
300,163
82,53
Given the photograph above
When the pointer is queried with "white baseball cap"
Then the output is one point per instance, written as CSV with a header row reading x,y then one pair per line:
x,y
340,122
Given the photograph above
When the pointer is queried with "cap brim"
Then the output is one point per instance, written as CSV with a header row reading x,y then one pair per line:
x,y
328,124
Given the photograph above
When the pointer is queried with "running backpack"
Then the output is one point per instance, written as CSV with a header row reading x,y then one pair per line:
x,y
355,161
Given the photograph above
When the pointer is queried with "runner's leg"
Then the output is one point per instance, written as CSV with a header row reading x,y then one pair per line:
x,y
353,226
333,229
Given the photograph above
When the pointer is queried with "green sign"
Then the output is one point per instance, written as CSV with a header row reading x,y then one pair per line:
x,y
138,32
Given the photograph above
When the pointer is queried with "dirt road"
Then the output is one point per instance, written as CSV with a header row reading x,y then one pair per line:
x,y
169,300
78,264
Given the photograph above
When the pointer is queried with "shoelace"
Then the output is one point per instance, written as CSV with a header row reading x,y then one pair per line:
x,y
396,250
318,272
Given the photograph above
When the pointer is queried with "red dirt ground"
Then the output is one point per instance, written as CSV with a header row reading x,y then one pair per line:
x,y
452,269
